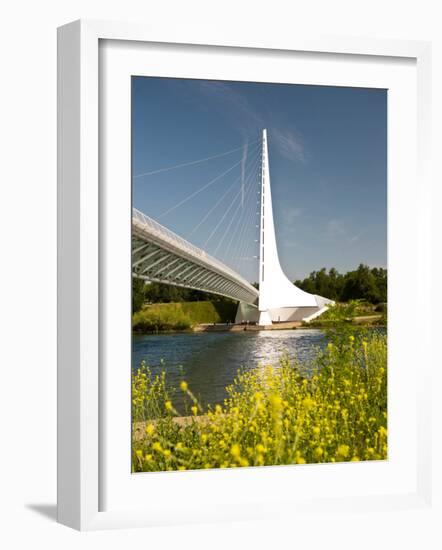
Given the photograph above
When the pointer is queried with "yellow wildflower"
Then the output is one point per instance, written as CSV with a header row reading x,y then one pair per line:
x,y
343,451
149,429
382,431
308,403
319,451
235,450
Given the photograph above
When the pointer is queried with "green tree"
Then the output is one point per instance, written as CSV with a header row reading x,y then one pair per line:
x,y
363,283
138,286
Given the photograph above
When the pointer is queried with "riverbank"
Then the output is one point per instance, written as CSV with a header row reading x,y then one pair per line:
x,y
244,327
205,316
181,316
226,327
375,320
363,321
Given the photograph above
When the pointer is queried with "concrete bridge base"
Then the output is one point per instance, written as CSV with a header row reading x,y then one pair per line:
x,y
251,314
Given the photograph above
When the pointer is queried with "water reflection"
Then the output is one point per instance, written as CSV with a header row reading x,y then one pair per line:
x,y
209,361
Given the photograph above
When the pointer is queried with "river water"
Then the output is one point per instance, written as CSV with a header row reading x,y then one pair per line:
x,y
209,361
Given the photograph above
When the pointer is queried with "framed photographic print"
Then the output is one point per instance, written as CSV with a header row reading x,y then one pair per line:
x,y
230,214
235,364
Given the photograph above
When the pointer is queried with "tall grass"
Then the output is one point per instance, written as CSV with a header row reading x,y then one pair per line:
x,y
181,315
156,318
340,315
272,415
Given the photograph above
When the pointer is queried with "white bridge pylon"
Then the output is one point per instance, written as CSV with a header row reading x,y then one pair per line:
x,y
279,299
160,255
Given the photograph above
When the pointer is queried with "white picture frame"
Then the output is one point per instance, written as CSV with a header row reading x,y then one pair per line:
x,y
80,259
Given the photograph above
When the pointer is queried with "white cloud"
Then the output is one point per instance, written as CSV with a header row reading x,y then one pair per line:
x,y
335,229
290,214
243,115
289,144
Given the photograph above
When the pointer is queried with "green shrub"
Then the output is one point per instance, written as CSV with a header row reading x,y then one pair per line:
x,y
181,315
200,312
156,318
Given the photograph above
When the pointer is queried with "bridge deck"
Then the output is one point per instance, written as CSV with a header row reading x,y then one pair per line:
x,y
159,254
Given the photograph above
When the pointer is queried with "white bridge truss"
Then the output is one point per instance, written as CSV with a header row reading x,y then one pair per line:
x,y
160,255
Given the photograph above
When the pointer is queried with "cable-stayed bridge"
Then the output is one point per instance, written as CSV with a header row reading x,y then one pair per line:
x,y
244,231
159,254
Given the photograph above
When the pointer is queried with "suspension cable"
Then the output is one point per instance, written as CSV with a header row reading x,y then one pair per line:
x,y
246,229
211,182
240,203
192,162
242,221
200,223
223,217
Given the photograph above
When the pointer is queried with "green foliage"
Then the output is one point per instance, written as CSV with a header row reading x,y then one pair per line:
x,y
181,315
161,293
364,283
160,307
209,312
343,319
164,317
138,294
149,394
338,326
273,415
338,317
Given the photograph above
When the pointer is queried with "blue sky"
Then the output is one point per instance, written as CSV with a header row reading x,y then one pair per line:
x,y
328,166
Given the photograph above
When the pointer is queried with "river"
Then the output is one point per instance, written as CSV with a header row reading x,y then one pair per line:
x,y
209,361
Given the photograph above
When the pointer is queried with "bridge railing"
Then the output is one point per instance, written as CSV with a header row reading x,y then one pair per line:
x,y
156,228
165,233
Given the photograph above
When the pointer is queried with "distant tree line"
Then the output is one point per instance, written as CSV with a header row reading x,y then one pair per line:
x,y
364,283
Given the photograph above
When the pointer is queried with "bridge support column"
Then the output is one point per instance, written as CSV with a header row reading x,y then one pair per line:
x,y
246,313
264,318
